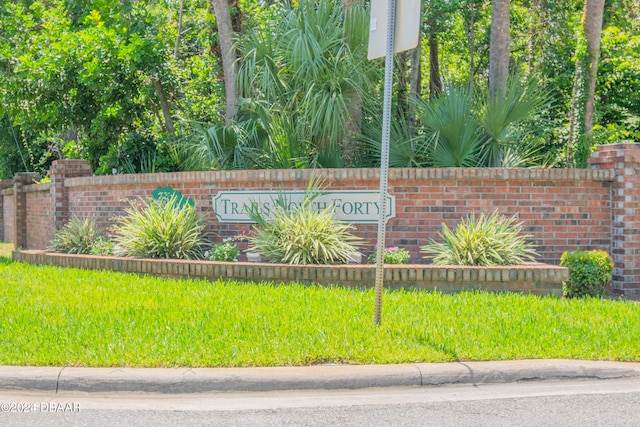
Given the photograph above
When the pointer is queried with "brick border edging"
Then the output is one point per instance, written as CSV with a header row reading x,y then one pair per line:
x,y
533,278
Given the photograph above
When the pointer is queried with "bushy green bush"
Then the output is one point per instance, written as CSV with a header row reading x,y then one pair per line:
x,y
482,241
78,236
162,229
392,255
589,273
103,246
301,235
225,251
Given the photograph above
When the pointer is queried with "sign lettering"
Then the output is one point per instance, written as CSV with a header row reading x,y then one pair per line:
x,y
358,206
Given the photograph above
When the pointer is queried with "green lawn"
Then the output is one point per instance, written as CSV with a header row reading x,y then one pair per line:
x,y
56,316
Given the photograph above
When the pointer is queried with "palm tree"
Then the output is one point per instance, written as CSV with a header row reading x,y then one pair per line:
x,y
462,131
309,65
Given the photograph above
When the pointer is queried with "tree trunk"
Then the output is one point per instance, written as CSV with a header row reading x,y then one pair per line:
x,y
592,21
471,42
227,53
573,113
179,35
403,84
499,49
538,18
164,104
354,102
435,79
415,83
584,86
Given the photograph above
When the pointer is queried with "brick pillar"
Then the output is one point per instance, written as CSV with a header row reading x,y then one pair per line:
x,y
4,184
60,171
624,159
20,180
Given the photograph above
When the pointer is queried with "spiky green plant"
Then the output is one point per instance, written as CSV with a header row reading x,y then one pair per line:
x,y
77,236
452,132
302,235
161,229
462,131
482,240
507,122
405,150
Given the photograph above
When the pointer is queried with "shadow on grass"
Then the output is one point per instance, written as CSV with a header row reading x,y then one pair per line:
x,y
440,347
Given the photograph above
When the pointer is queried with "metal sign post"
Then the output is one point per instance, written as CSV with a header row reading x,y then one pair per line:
x,y
384,159
413,23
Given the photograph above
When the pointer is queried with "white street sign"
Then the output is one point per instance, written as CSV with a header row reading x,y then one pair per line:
x,y
407,27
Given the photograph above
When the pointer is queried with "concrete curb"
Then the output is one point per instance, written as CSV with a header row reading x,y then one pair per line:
x,y
328,377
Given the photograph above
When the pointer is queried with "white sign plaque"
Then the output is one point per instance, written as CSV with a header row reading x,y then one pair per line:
x,y
356,206
407,27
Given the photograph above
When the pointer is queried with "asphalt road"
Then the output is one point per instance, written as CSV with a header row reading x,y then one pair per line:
x,y
533,403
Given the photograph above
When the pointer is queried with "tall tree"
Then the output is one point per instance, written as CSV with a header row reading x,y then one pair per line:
x,y
584,86
592,21
227,52
499,49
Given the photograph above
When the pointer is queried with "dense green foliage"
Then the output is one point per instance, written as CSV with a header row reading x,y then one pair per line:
x,y
589,273
137,86
392,255
163,228
482,240
225,251
67,317
77,236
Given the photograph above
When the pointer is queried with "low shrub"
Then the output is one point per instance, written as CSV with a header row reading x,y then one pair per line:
x,y
163,228
392,255
225,251
77,236
103,246
589,273
482,241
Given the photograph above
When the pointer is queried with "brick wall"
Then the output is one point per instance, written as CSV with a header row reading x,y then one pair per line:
x,y
624,161
40,227
7,224
562,209
537,279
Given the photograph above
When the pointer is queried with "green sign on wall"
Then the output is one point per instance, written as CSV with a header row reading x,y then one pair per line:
x,y
166,193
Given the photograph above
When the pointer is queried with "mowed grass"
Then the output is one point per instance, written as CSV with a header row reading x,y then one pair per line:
x,y
70,317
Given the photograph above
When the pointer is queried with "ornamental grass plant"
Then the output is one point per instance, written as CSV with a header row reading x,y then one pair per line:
x,y
77,236
482,240
163,228
297,234
303,236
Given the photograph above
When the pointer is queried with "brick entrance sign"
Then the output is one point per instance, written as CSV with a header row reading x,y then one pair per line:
x,y
562,209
